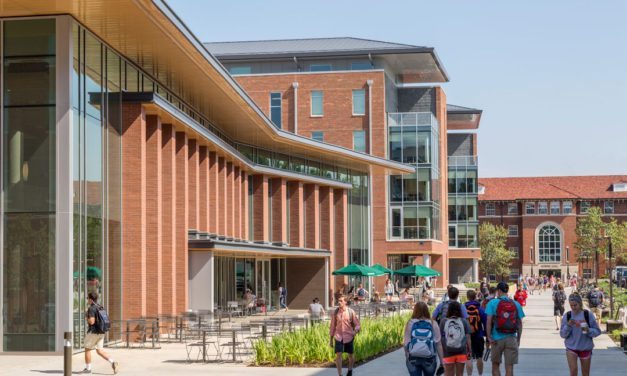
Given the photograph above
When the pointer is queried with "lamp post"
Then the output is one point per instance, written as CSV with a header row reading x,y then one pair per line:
x,y
567,262
609,251
531,259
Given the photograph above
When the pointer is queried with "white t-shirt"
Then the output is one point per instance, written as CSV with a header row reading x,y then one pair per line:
x,y
316,309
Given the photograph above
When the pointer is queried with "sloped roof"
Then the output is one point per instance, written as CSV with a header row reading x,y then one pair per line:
x,y
300,46
551,187
452,108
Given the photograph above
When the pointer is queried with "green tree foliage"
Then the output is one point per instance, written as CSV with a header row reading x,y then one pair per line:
x,y
617,231
495,257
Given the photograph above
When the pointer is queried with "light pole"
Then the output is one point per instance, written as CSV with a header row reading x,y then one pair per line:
x,y
531,259
609,251
567,262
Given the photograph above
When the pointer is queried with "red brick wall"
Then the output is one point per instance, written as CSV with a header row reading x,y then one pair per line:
x,y
182,214
154,200
168,219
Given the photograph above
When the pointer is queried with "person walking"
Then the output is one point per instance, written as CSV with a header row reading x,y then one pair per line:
x,y
455,340
344,326
361,294
477,322
595,301
559,298
521,295
422,342
316,310
504,330
97,326
491,295
441,311
388,289
282,297
578,329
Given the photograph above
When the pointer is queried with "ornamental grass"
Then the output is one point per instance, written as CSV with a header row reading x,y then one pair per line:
x,y
310,346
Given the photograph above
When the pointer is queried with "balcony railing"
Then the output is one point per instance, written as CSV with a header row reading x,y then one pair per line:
x,y
411,119
462,161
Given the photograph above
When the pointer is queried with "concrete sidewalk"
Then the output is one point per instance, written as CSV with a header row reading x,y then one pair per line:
x,y
542,353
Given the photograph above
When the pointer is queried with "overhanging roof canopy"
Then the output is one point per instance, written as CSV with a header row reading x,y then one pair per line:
x,y
149,34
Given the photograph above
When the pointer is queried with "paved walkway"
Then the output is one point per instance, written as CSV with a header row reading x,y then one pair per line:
x,y
542,353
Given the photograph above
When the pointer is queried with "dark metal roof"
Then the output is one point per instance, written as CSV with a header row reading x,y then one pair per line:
x,y
451,108
309,46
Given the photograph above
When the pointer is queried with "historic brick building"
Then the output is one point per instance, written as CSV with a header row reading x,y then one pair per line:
x,y
541,214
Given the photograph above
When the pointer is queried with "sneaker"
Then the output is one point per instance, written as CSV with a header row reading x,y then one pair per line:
x,y
85,371
116,367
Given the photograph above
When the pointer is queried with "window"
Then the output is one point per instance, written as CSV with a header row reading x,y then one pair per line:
x,y
512,208
318,136
619,187
567,207
481,189
530,208
359,102
361,65
555,207
512,230
543,208
587,273
490,210
275,109
240,70
316,103
452,236
514,252
320,67
359,141
550,244
584,206
608,207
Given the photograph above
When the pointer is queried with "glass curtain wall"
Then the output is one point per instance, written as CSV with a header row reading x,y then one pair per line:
x,y
462,206
97,80
415,198
358,224
29,184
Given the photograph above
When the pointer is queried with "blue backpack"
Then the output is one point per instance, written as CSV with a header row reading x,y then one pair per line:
x,y
421,343
103,324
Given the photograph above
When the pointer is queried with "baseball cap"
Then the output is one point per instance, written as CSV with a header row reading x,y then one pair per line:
x,y
503,286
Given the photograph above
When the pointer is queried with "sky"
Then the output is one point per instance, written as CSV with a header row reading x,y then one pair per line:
x,y
550,76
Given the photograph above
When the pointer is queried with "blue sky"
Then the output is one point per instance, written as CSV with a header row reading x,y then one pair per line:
x,y
551,76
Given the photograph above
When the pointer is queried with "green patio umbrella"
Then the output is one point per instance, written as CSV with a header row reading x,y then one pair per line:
x,y
382,269
358,270
417,271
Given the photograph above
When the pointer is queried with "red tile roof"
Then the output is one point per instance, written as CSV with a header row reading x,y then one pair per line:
x,y
551,187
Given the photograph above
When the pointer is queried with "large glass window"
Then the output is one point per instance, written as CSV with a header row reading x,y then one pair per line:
x,y
320,67
359,102
275,109
317,135
29,185
317,98
240,70
567,207
490,210
512,208
549,244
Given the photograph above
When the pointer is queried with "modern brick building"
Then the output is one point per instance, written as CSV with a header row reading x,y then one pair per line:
x,y
541,214
381,99
133,165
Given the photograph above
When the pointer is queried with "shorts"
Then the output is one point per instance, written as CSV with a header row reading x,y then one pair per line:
x,y
581,354
558,311
477,346
389,293
94,341
459,358
507,347
341,347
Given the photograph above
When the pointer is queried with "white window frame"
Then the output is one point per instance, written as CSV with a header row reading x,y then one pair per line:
x,y
391,230
608,207
546,207
555,204
490,207
529,205
311,100
513,211
584,206
510,233
353,101
567,207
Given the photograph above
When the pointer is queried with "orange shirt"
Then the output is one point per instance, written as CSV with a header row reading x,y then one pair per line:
x,y
341,327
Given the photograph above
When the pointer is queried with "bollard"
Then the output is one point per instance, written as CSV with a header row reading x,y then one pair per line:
x,y
67,354
204,346
234,347
264,332
128,334
152,340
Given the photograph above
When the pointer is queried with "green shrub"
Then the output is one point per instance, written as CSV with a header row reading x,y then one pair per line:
x,y
311,345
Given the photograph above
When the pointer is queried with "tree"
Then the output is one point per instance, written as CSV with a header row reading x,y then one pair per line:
x,y
589,241
617,231
495,258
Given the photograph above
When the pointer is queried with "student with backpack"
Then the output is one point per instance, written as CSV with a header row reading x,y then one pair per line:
x,y
422,342
578,329
344,326
504,330
98,325
559,298
521,295
491,295
455,340
595,301
282,297
441,310
477,321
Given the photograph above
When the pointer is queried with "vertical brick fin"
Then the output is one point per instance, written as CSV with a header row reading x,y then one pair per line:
x,y
340,198
326,219
260,208
182,210
312,216
168,218
192,184
279,211
237,204
441,115
133,210
230,199
213,193
297,219
203,192
221,199
154,262
245,203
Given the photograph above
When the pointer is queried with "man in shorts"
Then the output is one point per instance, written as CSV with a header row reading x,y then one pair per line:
x,y
477,321
503,344
94,339
344,326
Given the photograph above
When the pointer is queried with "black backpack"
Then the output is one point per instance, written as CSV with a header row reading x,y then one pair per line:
x,y
586,315
595,299
103,324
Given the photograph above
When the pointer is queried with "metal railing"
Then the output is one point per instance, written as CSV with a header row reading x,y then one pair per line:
x,y
411,119
462,160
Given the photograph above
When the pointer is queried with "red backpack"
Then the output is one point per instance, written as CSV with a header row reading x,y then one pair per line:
x,y
506,316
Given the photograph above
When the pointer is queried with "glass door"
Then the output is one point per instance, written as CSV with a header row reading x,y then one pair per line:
x,y
264,283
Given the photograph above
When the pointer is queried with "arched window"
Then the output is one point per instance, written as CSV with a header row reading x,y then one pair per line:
x,y
550,244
